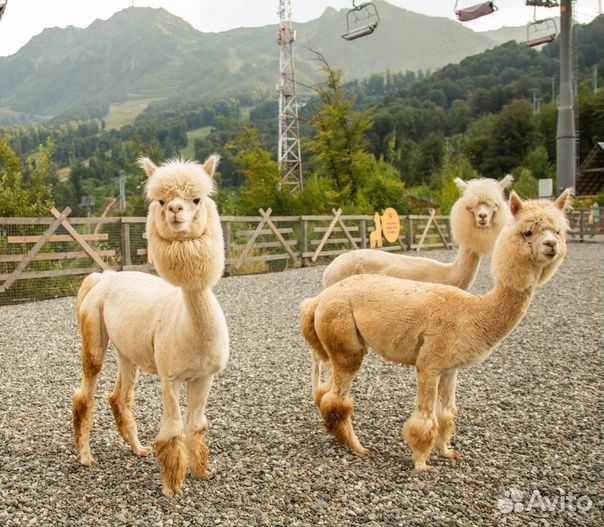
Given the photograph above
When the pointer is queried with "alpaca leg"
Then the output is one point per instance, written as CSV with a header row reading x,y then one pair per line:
x,y
445,413
196,426
336,408
319,388
420,429
94,345
122,401
169,444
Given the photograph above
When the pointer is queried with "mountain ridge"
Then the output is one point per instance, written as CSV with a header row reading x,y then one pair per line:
x,y
143,52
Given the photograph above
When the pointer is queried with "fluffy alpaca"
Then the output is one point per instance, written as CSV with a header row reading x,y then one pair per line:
x,y
437,328
171,326
477,217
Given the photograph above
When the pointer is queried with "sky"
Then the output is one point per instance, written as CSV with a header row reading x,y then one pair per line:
x,y
24,19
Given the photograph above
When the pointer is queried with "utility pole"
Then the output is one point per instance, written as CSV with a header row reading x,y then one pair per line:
x,y
288,157
122,190
535,100
566,155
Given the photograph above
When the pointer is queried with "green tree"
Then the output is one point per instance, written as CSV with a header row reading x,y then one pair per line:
x,y
262,187
29,195
525,184
538,163
513,136
339,144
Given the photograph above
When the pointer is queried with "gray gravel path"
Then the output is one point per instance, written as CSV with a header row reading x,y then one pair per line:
x,y
530,420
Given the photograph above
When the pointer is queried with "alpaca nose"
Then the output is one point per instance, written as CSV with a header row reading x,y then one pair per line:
x,y
482,215
175,207
550,246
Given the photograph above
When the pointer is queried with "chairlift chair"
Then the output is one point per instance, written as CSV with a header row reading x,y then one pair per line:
x,y
2,7
541,32
465,14
361,20
542,3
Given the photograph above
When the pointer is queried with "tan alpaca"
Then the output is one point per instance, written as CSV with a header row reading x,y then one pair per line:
x,y
437,328
477,217
375,237
171,326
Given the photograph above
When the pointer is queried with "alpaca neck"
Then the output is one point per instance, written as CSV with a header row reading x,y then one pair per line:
x,y
463,270
498,312
198,303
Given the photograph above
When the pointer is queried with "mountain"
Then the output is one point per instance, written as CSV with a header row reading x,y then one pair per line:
x,y
144,53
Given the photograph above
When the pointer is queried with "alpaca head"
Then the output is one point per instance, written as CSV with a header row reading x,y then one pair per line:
x,y
183,228
480,213
179,192
533,244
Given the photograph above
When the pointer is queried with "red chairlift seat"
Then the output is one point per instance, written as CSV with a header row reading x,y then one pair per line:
x,y
466,14
541,32
361,20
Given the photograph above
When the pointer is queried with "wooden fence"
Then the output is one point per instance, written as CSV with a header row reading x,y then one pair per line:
x,y
48,257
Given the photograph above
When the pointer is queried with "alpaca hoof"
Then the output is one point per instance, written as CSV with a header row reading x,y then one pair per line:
x,y
168,492
450,454
425,469
205,476
362,452
87,460
143,451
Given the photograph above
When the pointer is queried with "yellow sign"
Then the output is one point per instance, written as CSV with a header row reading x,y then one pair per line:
x,y
391,225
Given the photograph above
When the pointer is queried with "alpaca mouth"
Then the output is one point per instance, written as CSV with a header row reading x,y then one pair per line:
x,y
176,224
482,224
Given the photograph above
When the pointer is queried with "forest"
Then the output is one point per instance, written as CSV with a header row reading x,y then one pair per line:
x,y
393,139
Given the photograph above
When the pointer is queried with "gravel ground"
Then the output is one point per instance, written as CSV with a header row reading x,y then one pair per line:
x,y
530,420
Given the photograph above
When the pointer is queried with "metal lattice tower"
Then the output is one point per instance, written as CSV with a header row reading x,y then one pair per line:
x,y
288,157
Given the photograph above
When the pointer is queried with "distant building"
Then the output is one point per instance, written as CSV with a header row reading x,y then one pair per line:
x,y
590,180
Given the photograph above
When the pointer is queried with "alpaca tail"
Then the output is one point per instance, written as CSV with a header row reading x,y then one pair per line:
x,y
318,353
87,284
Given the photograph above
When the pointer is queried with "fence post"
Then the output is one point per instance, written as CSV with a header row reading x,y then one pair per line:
x,y
303,241
449,232
125,229
410,237
363,229
226,234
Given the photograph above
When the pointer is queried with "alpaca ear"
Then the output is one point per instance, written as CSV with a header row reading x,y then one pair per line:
x,y
210,164
515,203
147,165
461,184
506,181
564,201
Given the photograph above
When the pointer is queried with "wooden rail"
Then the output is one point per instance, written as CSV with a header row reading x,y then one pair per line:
x,y
59,247
37,250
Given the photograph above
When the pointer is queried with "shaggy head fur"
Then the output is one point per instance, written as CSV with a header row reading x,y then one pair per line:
x,y
478,216
535,240
183,228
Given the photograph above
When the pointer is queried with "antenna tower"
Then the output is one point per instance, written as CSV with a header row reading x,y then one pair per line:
x,y
288,157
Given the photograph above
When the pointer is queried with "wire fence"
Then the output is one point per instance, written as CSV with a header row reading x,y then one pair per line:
x,y
43,258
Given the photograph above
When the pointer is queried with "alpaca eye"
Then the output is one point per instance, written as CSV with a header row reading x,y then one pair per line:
x,y
527,234
196,201
161,202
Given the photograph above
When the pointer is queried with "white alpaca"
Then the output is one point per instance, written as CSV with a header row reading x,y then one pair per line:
x,y
434,327
477,217
171,326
